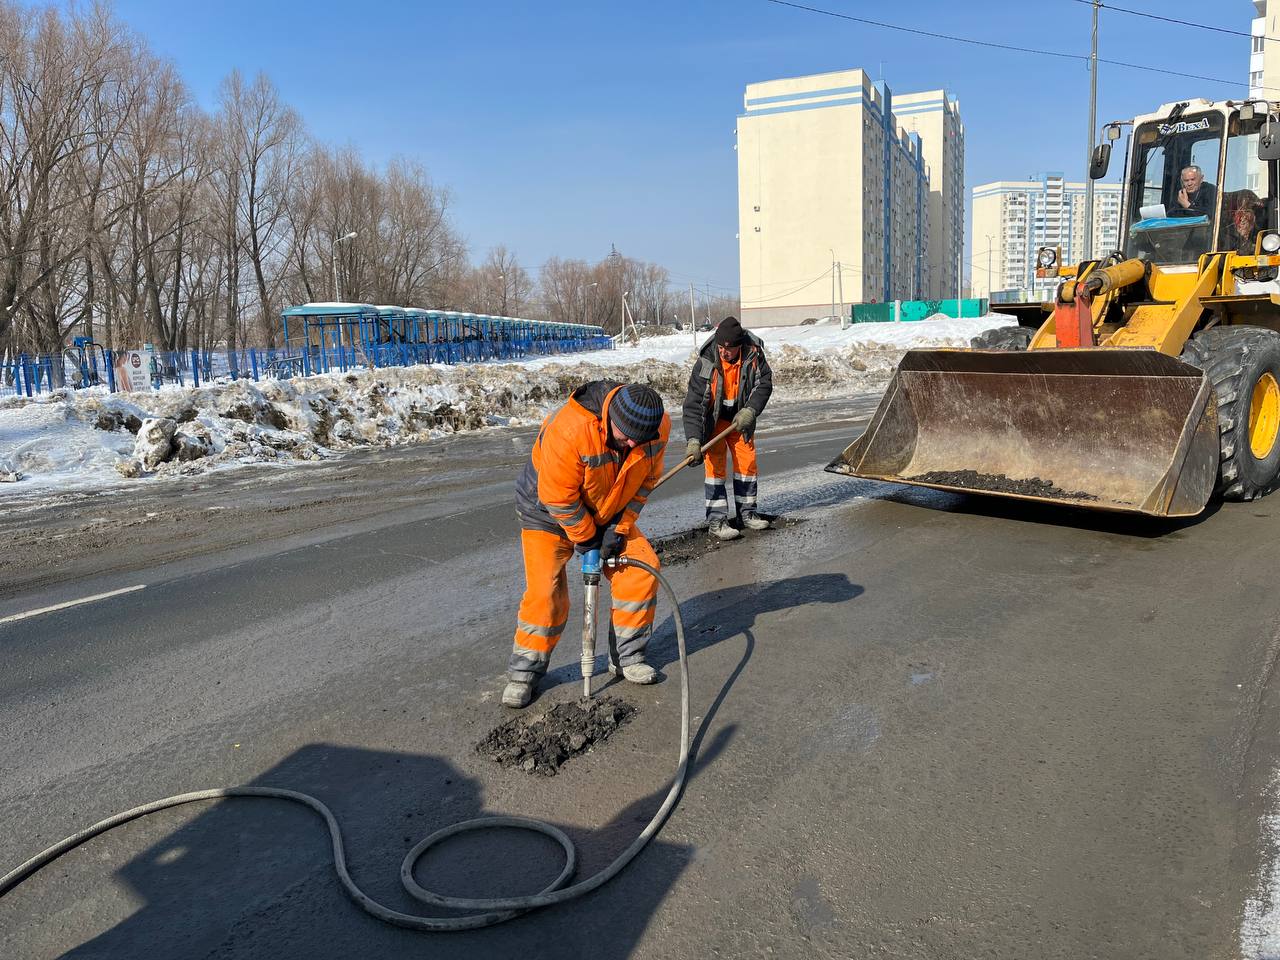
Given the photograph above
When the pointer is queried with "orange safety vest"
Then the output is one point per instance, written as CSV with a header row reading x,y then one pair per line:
x,y
581,482
732,376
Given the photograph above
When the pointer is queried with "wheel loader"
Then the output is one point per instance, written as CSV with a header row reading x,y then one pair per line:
x,y
1152,382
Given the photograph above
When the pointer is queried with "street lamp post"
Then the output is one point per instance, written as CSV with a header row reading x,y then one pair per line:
x,y
337,292
333,260
586,301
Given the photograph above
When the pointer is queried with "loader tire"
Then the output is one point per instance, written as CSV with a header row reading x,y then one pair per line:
x,y
1003,338
1243,365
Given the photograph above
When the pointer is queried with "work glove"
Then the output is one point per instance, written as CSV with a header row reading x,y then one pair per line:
x,y
593,544
611,544
693,450
744,420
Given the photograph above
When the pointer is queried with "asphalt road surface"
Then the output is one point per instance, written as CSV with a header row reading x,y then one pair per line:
x,y
927,725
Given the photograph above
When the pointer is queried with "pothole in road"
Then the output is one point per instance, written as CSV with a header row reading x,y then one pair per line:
x,y
692,544
543,744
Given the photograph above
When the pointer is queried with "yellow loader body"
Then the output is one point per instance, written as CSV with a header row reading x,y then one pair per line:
x,y
1122,425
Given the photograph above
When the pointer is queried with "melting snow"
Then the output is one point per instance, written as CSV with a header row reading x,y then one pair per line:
x,y
95,439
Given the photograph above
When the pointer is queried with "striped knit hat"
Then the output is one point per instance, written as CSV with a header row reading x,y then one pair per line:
x,y
637,411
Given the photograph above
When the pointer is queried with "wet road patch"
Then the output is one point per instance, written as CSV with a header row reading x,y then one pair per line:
x,y
543,744
696,543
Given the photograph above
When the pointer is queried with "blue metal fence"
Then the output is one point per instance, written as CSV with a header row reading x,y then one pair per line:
x,y
28,375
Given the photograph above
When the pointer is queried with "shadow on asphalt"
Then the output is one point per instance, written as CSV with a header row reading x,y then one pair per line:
x,y
254,878
720,614
1043,514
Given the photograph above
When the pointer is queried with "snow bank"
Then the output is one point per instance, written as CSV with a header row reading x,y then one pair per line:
x,y
91,438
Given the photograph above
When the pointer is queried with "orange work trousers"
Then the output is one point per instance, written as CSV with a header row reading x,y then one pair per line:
x,y
544,610
743,452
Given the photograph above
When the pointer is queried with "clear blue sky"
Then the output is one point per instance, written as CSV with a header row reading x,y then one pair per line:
x,y
563,127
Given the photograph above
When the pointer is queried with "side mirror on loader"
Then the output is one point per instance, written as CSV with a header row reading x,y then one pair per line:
x,y
1099,162
1269,143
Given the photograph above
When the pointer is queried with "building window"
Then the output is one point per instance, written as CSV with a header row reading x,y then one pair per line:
x,y
1259,44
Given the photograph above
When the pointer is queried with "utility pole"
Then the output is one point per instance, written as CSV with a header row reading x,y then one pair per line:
x,y
989,266
707,289
840,281
693,321
832,251
1093,122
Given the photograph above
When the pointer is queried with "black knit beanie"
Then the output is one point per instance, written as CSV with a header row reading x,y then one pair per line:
x,y
730,332
637,412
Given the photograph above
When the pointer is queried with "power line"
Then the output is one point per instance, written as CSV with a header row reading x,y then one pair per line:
x,y
1181,23
1005,46
822,276
927,33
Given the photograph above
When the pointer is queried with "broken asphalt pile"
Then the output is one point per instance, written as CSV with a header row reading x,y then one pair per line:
x,y
544,743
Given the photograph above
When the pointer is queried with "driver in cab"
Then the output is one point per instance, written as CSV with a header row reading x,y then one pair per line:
x,y
1242,221
1196,198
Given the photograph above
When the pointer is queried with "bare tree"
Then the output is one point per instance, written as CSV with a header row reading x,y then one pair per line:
x,y
129,214
500,285
53,70
264,140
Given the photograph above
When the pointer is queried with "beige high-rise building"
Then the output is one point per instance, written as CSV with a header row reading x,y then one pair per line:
x,y
1013,218
936,118
1264,56
835,195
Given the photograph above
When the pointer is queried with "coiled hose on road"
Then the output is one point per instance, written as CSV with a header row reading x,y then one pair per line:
x,y
499,908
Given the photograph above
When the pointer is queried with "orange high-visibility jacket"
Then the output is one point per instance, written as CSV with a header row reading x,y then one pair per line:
x,y
573,482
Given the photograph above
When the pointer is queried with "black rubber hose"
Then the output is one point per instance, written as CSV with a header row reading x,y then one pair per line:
x,y
498,908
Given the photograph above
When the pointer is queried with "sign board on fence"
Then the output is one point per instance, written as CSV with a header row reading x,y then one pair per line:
x,y
133,370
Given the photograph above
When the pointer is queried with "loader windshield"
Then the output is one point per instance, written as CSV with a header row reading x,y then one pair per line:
x,y
1173,201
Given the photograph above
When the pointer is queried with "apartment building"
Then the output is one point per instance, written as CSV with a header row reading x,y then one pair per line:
x,y
1264,54
1013,218
835,191
936,118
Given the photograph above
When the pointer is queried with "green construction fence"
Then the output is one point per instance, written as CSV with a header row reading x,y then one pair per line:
x,y
906,310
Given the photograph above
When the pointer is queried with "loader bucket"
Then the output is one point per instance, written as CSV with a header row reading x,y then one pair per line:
x,y
1104,428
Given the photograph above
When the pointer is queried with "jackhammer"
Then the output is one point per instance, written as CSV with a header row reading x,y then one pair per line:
x,y
590,593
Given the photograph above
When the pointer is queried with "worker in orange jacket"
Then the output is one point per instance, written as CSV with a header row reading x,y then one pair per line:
x,y
593,466
729,386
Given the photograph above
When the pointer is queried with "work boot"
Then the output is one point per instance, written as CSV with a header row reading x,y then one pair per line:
x,y
722,530
753,521
518,694
635,672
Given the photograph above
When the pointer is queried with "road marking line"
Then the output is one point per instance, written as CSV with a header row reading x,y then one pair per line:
x,y
71,603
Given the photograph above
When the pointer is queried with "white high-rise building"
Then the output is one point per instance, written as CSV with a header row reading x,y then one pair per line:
x,y
1264,54
836,191
1013,218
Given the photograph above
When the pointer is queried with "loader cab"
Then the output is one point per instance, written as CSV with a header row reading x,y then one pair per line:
x,y
1235,200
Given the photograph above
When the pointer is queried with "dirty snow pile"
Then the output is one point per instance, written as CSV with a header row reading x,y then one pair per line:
x,y
91,438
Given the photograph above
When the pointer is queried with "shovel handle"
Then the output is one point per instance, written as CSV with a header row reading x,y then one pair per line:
x,y
686,461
